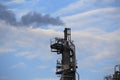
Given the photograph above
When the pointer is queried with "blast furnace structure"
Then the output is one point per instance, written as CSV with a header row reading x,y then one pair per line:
x,y
66,64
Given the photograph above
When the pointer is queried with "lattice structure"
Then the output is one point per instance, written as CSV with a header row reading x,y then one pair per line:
x,y
66,65
116,75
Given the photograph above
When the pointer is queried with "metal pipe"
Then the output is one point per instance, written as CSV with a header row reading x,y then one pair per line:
x,y
78,75
115,68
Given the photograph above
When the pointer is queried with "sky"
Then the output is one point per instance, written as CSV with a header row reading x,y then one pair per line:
x,y
27,26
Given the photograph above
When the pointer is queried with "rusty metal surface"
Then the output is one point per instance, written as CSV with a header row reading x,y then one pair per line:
x,y
66,66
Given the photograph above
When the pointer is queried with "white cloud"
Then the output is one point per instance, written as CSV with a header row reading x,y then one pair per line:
x,y
18,1
83,5
27,42
19,65
46,79
97,43
28,55
42,67
92,12
74,7
93,45
14,2
85,64
6,50
107,68
99,18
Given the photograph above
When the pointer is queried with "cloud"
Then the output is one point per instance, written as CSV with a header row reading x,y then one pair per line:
x,y
30,19
107,68
26,42
15,1
27,55
46,79
42,67
75,7
39,19
19,65
96,46
96,34
105,19
5,50
69,9
7,15
31,44
85,5
12,2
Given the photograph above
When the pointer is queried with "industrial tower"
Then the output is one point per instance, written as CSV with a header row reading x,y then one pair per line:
x,y
66,65
115,76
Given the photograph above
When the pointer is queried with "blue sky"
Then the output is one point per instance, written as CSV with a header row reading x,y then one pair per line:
x,y
25,52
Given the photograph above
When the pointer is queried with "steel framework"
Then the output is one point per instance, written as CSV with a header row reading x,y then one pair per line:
x,y
116,75
66,65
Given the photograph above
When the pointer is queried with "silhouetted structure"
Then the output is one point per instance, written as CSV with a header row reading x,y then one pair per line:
x,y
116,75
66,65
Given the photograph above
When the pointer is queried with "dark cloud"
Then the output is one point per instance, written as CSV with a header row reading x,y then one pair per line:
x,y
7,15
31,18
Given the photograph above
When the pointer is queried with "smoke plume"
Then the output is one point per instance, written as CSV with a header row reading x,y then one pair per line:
x,y
7,15
39,19
31,18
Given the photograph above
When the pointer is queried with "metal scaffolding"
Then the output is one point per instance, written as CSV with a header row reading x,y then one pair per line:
x,y
116,75
66,65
